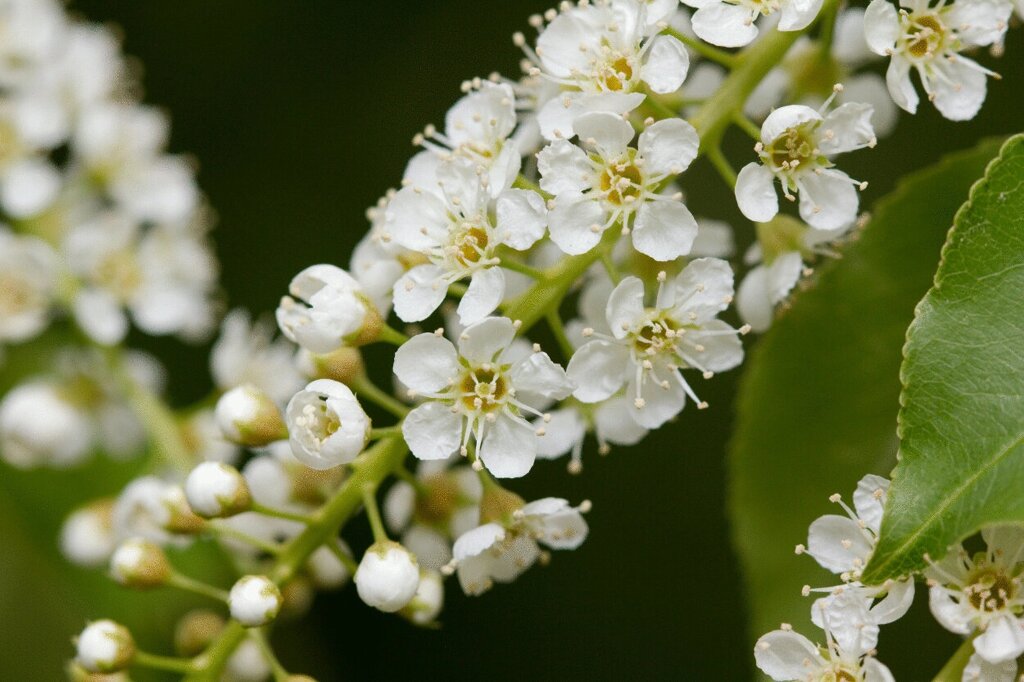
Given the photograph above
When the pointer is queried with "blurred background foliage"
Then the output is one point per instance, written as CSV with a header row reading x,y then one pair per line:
x,y
300,115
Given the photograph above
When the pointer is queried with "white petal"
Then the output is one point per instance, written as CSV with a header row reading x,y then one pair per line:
x,y
897,79
870,88
484,341
477,541
660,403
1004,540
485,292
850,125
565,429
753,301
664,230
426,363
869,500
1003,640
876,672
416,218
668,147
598,369
537,374
432,431
666,65
849,45
950,614
29,187
722,350
704,288
881,26
714,239
725,25
482,116
828,199
980,670
755,193
419,293
798,14
576,225
959,90
609,133
784,655
509,447
521,218
625,307
838,543
613,421
979,22
895,604
564,168
100,316
784,118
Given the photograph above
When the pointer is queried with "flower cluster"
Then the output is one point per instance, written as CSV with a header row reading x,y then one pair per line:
x,y
549,207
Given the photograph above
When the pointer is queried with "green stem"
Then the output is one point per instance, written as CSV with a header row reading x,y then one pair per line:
x,y
385,432
280,513
159,421
609,266
522,268
257,636
522,182
348,562
726,59
721,165
373,512
558,330
168,663
364,388
183,582
391,335
209,665
954,669
748,126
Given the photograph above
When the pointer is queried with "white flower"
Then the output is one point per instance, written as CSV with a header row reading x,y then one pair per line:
x,y
29,187
730,23
980,670
477,392
149,507
443,505
453,224
40,427
28,274
337,314
254,601
388,577
796,146
929,40
247,353
477,128
615,183
164,276
217,490
649,346
327,426
807,75
377,260
787,655
611,421
105,647
982,593
604,55
87,536
497,553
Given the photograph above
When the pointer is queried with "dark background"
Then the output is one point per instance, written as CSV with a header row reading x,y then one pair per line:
x,y
301,115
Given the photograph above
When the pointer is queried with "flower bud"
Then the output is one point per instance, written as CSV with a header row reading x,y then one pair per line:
x,y
344,364
388,576
216,490
180,518
426,604
297,595
248,663
254,601
139,563
87,536
338,313
327,426
247,416
39,427
196,630
498,505
105,647
326,569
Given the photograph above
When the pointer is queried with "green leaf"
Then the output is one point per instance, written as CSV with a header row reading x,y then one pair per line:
x,y
961,462
818,402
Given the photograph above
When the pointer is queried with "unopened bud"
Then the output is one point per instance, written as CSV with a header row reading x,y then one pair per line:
x,y
216,490
247,416
105,647
498,505
337,311
87,536
326,569
388,576
344,365
140,563
196,631
427,602
254,601
297,595
327,426
180,518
